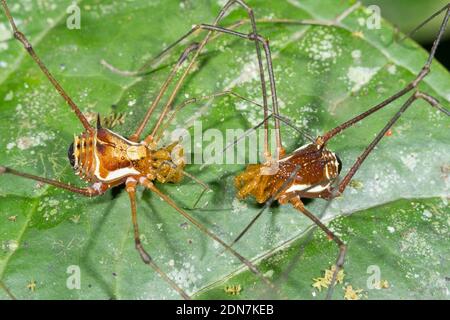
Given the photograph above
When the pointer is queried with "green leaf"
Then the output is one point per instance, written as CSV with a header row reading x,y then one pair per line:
x,y
320,73
404,242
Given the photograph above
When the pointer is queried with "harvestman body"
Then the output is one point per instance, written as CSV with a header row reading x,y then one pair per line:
x,y
107,159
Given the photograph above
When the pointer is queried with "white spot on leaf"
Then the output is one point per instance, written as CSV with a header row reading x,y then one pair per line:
x,y
360,76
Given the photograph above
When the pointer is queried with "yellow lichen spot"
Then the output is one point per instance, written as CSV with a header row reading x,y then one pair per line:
x,y
12,218
325,281
339,277
233,290
352,294
320,283
75,218
358,34
383,284
32,286
356,184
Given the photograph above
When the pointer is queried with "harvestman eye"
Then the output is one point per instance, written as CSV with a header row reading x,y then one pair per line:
x,y
71,155
339,164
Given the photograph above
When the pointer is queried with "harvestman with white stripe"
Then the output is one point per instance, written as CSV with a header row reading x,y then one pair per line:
x,y
312,170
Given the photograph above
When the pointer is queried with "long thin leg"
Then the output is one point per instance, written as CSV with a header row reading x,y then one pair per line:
x,y
263,81
267,204
255,37
165,85
27,45
156,60
418,95
213,96
301,251
193,178
189,67
144,122
335,23
187,102
265,43
149,185
434,15
200,182
257,126
131,190
88,192
298,204
411,86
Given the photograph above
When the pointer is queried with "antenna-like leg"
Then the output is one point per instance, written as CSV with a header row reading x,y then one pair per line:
x,y
411,86
275,109
418,95
201,46
88,192
27,45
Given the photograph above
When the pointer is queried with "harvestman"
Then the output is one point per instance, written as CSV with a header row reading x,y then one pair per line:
x,y
106,159
312,170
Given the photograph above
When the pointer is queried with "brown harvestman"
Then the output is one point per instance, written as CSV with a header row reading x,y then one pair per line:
x,y
312,171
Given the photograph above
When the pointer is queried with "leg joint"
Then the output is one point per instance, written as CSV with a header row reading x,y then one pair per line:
x,y
252,36
423,73
144,255
431,100
245,6
21,37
